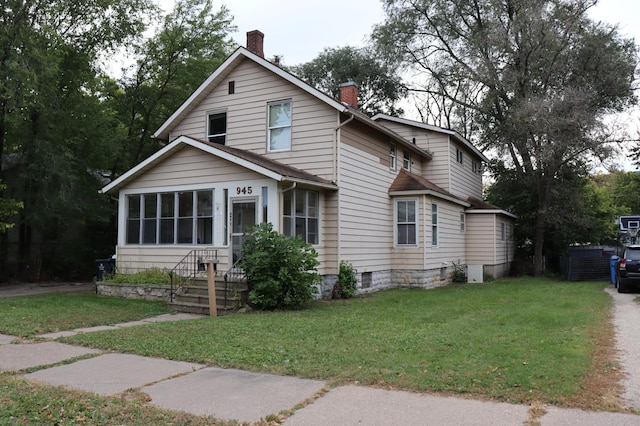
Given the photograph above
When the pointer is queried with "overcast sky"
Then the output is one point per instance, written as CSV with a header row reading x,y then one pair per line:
x,y
298,30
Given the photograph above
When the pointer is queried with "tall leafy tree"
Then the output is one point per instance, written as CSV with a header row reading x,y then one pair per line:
x,y
379,86
51,119
536,76
188,45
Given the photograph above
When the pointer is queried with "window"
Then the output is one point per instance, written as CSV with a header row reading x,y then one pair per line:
x,y
392,156
170,218
150,222
204,225
217,128
434,224
406,223
474,166
459,156
133,219
300,214
462,222
406,160
232,87
280,126
503,231
265,203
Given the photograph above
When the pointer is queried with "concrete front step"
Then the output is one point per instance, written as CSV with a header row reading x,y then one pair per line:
x,y
200,309
195,298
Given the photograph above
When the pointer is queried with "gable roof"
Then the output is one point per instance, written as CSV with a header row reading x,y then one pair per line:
x,y
407,183
249,160
242,54
457,136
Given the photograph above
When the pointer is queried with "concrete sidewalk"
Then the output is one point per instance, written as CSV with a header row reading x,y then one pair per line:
x,y
231,394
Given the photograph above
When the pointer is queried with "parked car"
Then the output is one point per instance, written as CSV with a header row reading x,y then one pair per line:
x,y
628,269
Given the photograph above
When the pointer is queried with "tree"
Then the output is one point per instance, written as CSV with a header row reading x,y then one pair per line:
x,y
192,41
8,207
51,120
379,86
536,76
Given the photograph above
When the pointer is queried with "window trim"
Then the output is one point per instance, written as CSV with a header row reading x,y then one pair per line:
x,y
397,223
459,156
216,135
289,126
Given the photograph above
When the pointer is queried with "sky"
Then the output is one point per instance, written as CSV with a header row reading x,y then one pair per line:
x,y
298,30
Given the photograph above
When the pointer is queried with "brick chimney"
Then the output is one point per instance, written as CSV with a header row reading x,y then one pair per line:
x,y
255,41
349,94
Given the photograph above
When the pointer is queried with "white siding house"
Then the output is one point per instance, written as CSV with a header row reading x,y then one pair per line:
x,y
400,200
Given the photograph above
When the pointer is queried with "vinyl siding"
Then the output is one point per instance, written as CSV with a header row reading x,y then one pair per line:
x,y
134,258
451,242
313,122
464,182
190,166
366,211
481,239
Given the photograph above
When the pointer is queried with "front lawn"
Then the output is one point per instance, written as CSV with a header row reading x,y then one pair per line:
x,y
522,340
32,315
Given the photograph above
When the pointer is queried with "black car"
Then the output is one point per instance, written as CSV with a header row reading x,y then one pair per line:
x,y
628,269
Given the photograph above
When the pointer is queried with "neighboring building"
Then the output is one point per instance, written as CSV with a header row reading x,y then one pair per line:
x,y
400,200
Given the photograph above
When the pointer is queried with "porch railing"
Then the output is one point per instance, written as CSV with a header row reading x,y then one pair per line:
x,y
233,279
189,268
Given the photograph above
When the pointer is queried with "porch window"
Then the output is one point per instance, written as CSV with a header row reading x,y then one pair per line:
x,y
462,222
280,126
150,223
406,223
301,214
459,156
184,217
217,128
133,219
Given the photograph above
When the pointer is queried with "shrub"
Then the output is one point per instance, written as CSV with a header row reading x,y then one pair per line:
x,y
155,276
281,271
345,288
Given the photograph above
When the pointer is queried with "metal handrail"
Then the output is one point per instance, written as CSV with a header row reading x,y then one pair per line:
x,y
235,274
187,269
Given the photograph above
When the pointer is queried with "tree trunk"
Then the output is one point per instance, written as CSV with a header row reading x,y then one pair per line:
x,y
538,258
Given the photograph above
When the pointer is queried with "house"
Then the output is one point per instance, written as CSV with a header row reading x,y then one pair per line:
x,y
400,200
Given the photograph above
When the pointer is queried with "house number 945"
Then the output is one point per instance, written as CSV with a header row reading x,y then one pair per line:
x,y
245,190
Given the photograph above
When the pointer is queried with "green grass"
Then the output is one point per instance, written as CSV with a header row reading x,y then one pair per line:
x,y
28,403
32,315
518,340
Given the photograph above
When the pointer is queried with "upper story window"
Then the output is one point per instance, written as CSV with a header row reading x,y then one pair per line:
x,y
217,127
459,156
279,137
392,156
406,160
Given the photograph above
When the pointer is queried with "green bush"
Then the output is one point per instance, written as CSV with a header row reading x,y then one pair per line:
x,y
155,276
281,271
345,288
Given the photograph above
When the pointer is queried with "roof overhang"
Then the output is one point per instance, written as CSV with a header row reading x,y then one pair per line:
x,y
492,211
183,141
430,193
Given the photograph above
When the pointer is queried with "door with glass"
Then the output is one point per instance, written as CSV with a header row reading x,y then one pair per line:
x,y
243,218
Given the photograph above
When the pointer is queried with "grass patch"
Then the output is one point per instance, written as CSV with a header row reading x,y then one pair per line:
x,y
24,402
521,340
27,316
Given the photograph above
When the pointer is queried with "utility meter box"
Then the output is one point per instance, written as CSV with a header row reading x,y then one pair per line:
x,y
475,273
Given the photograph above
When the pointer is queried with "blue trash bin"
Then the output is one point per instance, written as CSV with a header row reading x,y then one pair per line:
x,y
613,262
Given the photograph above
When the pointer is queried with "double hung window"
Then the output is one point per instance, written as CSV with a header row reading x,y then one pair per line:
x,y
279,126
406,223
